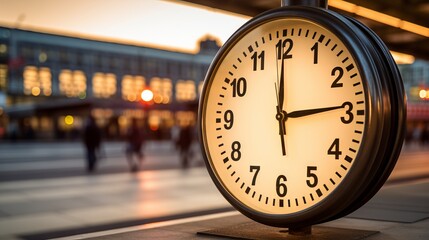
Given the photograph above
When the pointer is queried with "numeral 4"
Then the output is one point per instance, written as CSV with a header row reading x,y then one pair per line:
x,y
334,149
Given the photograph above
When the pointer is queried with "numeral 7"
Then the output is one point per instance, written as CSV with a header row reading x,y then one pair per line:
x,y
255,175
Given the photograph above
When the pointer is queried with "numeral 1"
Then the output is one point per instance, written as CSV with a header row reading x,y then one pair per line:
x,y
315,49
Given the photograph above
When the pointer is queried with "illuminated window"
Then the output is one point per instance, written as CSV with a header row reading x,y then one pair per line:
x,y
73,83
37,81
162,90
3,49
103,85
45,124
167,88
185,118
185,90
45,78
125,119
3,76
132,87
159,119
102,116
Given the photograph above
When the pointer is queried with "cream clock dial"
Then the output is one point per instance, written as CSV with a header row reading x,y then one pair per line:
x,y
297,116
288,113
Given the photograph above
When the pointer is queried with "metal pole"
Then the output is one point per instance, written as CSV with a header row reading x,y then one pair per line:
x,y
310,3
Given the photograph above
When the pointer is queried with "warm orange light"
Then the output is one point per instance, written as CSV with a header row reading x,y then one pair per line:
x,y
417,29
157,99
402,58
380,17
423,94
147,95
35,91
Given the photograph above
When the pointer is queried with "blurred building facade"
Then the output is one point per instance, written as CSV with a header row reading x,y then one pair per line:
x,y
49,84
416,81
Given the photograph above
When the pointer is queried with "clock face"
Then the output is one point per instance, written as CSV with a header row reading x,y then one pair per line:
x,y
284,115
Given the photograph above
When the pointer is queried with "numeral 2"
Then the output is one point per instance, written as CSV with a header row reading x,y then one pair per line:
x,y
340,71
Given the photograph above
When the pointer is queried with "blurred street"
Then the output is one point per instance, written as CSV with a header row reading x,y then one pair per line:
x,y
19,161
45,191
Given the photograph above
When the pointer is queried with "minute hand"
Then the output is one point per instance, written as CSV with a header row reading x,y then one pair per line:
x,y
303,113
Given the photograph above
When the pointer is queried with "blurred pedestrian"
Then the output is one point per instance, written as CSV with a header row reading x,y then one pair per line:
x,y
135,139
175,132
185,142
424,137
92,140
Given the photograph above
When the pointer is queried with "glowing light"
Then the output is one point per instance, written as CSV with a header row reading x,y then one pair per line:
x,y
3,48
154,127
132,97
82,95
35,91
43,57
402,58
166,100
380,17
423,94
68,120
157,99
147,95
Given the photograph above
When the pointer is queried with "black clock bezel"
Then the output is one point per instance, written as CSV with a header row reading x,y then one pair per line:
x,y
348,194
395,120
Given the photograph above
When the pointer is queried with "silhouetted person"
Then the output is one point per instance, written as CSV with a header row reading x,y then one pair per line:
x,y
174,133
185,142
424,137
135,140
92,140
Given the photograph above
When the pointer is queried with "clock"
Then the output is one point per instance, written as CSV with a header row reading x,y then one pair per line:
x,y
301,117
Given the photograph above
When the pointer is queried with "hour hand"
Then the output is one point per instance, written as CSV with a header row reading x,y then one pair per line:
x,y
307,112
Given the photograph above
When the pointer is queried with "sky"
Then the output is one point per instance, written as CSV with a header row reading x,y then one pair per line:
x,y
164,24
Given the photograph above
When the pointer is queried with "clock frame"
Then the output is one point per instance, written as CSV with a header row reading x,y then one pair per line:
x,y
384,118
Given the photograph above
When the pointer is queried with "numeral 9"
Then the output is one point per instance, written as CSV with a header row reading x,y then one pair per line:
x,y
229,119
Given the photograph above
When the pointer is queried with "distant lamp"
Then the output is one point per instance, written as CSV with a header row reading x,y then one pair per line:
x,y
423,94
68,120
147,95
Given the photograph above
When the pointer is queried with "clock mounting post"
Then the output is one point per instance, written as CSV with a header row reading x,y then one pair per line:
x,y
308,3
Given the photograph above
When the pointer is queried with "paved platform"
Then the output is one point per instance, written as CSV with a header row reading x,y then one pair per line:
x,y
59,206
396,212
68,205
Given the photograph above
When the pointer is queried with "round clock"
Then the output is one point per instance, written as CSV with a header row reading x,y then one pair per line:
x,y
301,116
